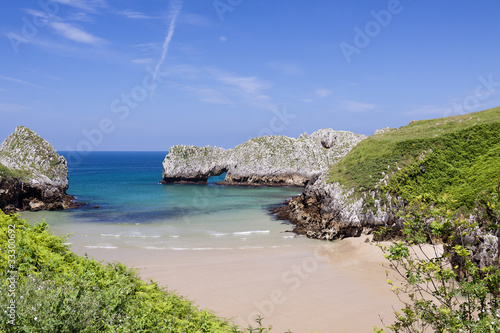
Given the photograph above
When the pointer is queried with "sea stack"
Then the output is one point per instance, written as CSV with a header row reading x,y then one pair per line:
x,y
33,176
273,160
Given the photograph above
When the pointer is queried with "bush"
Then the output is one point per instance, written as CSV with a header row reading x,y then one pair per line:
x,y
55,290
443,290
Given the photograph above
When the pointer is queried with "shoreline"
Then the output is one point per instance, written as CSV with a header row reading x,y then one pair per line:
x,y
325,287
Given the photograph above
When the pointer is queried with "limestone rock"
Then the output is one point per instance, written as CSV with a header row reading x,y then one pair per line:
x,y
327,137
33,176
328,211
383,130
483,244
269,160
191,164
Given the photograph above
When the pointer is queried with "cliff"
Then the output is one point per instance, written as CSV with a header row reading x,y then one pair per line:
x,y
457,158
264,161
32,175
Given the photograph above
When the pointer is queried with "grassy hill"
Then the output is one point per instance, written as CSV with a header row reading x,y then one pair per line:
x,y
458,156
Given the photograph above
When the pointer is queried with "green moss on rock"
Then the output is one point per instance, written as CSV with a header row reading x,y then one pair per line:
x,y
25,154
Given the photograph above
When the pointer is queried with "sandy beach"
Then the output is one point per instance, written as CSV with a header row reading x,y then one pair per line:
x,y
322,287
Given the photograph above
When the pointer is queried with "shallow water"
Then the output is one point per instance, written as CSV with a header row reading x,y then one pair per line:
x,y
137,212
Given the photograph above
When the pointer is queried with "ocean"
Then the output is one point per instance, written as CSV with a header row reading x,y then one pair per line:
x,y
126,207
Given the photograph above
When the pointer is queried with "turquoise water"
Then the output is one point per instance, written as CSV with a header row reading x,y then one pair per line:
x,y
135,211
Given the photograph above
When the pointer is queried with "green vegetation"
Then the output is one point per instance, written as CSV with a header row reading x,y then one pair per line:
x,y
459,156
441,286
8,173
29,156
57,291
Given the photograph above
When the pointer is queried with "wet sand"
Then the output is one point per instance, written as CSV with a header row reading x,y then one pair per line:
x,y
316,287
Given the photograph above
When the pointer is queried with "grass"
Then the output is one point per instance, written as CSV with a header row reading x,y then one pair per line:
x,y
456,155
56,290
8,173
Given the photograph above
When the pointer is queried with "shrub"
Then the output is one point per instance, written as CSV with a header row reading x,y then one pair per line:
x,y
442,290
56,290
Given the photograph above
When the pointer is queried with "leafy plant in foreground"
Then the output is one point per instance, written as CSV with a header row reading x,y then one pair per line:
x,y
440,285
56,290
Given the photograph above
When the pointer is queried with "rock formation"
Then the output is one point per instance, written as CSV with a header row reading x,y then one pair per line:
x,y
264,161
329,211
32,175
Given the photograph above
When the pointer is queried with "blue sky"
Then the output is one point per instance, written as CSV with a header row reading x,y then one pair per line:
x,y
145,75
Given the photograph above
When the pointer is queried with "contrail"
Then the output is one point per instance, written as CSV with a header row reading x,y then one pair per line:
x,y
176,9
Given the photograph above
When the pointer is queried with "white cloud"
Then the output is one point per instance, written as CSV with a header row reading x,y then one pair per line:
x,y
142,61
87,5
215,86
37,13
81,17
68,30
208,95
247,85
56,47
186,72
75,34
356,106
135,15
194,20
322,93
151,47
26,83
247,89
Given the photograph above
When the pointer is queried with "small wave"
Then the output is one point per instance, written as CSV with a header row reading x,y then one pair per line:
x,y
287,237
217,234
100,247
175,236
110,235
179,248
242,233
247,233
143,236
154,248
202,248
250,247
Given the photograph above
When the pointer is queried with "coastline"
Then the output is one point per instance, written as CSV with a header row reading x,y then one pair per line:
x,y
324,287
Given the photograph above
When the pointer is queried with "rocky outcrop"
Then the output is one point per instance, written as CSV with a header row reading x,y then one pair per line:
x,y
32,175
330,211
264,161
383,130
484,246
